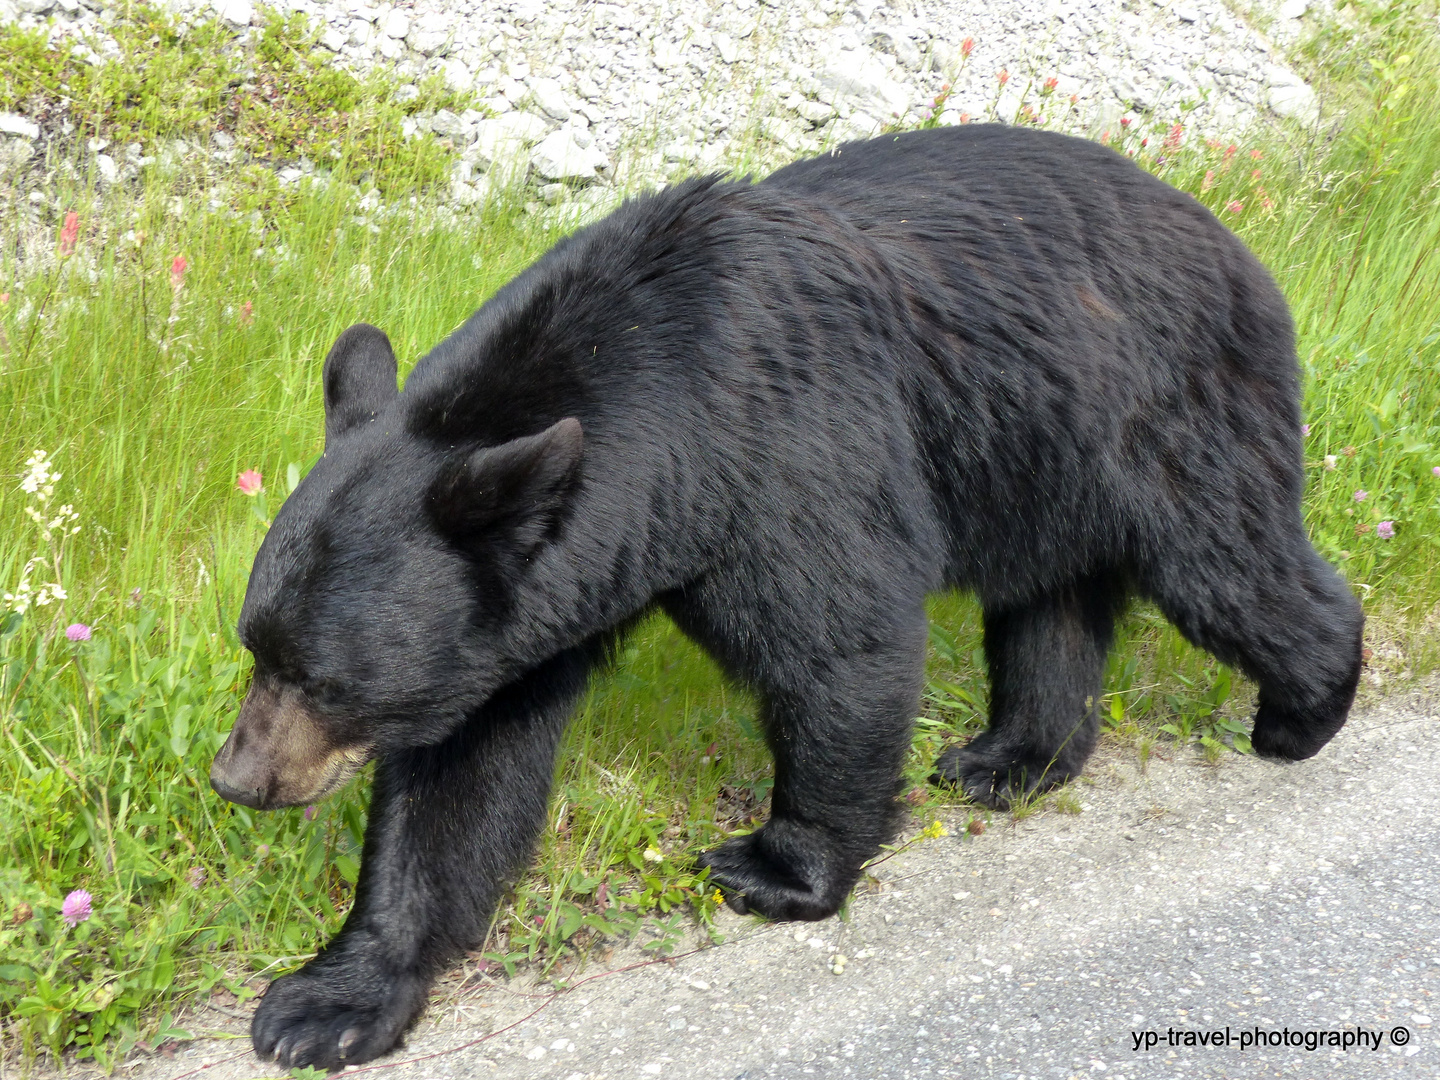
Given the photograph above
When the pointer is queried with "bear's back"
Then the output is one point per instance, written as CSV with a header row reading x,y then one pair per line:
x,y
1026,324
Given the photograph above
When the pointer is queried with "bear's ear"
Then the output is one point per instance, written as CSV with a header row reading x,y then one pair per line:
x,y
504,499
359,378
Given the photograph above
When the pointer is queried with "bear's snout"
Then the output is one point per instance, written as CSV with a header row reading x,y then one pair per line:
x,y
279,754
240,772
220,781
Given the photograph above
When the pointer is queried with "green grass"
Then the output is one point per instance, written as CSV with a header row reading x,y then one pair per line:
x,y
151,396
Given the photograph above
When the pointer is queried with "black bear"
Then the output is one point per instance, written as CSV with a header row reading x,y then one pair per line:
x,y
783,412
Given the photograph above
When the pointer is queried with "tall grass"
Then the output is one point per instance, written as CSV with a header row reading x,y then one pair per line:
x,y
152,384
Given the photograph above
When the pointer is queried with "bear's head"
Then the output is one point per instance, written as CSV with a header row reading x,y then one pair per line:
x,y
380,606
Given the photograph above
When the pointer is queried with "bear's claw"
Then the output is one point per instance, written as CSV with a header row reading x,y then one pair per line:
x,y
325,1021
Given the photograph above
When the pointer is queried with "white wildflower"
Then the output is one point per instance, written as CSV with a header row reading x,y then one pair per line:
x,y
47,594
40,477
38,482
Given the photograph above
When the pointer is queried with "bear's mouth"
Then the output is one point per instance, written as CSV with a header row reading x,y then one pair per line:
x,y
343,766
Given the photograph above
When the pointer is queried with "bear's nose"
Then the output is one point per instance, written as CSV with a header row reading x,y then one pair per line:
x,y
251,797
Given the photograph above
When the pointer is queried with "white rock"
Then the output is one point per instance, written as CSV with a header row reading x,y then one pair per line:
x,y
505,137
1275,75
457,75
1174,77
527,127
513,90
550,98
446,123
785,132
972,105
463,193
1065,85
860,75
859,125
428,42
1293,9
666,54
817,112
471,194
901,46
109,171
396,25
14,153
943,57
1294,103
681,150
234,12
333,40
1007,109
1132,91
15,124
559,157
726,47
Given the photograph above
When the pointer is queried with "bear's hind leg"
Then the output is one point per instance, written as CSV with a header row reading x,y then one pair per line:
x,y
1047,661
1286,619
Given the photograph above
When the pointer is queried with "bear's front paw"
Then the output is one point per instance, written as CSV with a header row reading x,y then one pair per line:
x,y
775,872
993,779
334,1017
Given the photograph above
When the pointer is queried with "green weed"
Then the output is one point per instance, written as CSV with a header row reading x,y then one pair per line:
x,y
281,101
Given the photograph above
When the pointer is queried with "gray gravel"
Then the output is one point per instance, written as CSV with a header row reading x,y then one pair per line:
x,y
635,91
1187,898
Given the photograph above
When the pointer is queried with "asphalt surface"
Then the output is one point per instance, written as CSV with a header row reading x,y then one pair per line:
x,y
1257,901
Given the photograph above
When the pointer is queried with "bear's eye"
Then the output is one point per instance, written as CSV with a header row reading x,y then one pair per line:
x,y
324,691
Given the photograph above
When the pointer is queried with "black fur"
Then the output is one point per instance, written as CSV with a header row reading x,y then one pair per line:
x,y
981,358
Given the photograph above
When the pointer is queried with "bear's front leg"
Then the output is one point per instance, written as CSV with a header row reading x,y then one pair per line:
x,y
449,827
